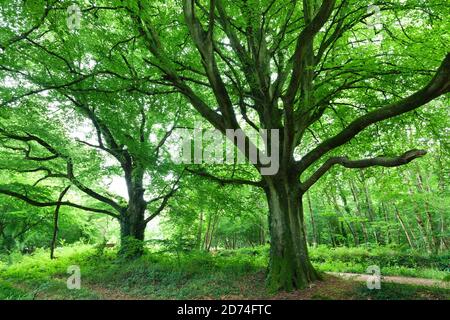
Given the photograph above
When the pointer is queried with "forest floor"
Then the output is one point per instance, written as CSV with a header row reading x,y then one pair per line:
x,y
236,274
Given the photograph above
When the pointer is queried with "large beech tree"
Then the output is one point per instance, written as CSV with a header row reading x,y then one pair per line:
x,y
43,153
285,65
75,114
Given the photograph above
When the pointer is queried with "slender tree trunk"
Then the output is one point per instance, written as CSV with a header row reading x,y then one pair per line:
x,y
333,228
359,211
262,236
430,222
199,233
55,223
289,266
215,222
385,212
418,215
441,173
207,233
402,224
443,244
370,210
313,224
349,212
339,224
420,223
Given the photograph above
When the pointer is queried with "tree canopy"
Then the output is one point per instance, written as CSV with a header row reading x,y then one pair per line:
x,y
95,91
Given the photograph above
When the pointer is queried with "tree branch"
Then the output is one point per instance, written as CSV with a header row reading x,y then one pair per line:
x,y
55,203
439,85
405,158
70,167
203,41
88,191
222,181
305,38
165,199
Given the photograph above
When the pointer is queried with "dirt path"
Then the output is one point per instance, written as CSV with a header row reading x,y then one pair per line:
x,y
393,279
107,293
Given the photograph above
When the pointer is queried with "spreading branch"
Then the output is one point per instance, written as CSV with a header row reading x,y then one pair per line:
x,y
304,40
439,85
405,158
40,204
224,181
165,199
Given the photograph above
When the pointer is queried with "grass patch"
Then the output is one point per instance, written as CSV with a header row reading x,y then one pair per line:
x,y
8,292
392,291
154,275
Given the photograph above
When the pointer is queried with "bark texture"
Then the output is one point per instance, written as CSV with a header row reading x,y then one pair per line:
x,y
289,266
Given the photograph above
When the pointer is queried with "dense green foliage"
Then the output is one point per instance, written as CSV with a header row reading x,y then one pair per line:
x,y
92,94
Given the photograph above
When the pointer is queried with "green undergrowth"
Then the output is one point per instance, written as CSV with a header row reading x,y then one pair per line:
x,y
390,260
235,274
392,291
154,275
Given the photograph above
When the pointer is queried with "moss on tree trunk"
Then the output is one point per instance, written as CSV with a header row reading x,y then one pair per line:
x,y
132,230
289,265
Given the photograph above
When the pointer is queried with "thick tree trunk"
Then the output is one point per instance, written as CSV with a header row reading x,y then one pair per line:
x,y
132,219
289,266
132,228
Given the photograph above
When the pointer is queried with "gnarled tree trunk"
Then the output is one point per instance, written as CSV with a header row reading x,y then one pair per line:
x,y
289,266
132,229
132,219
